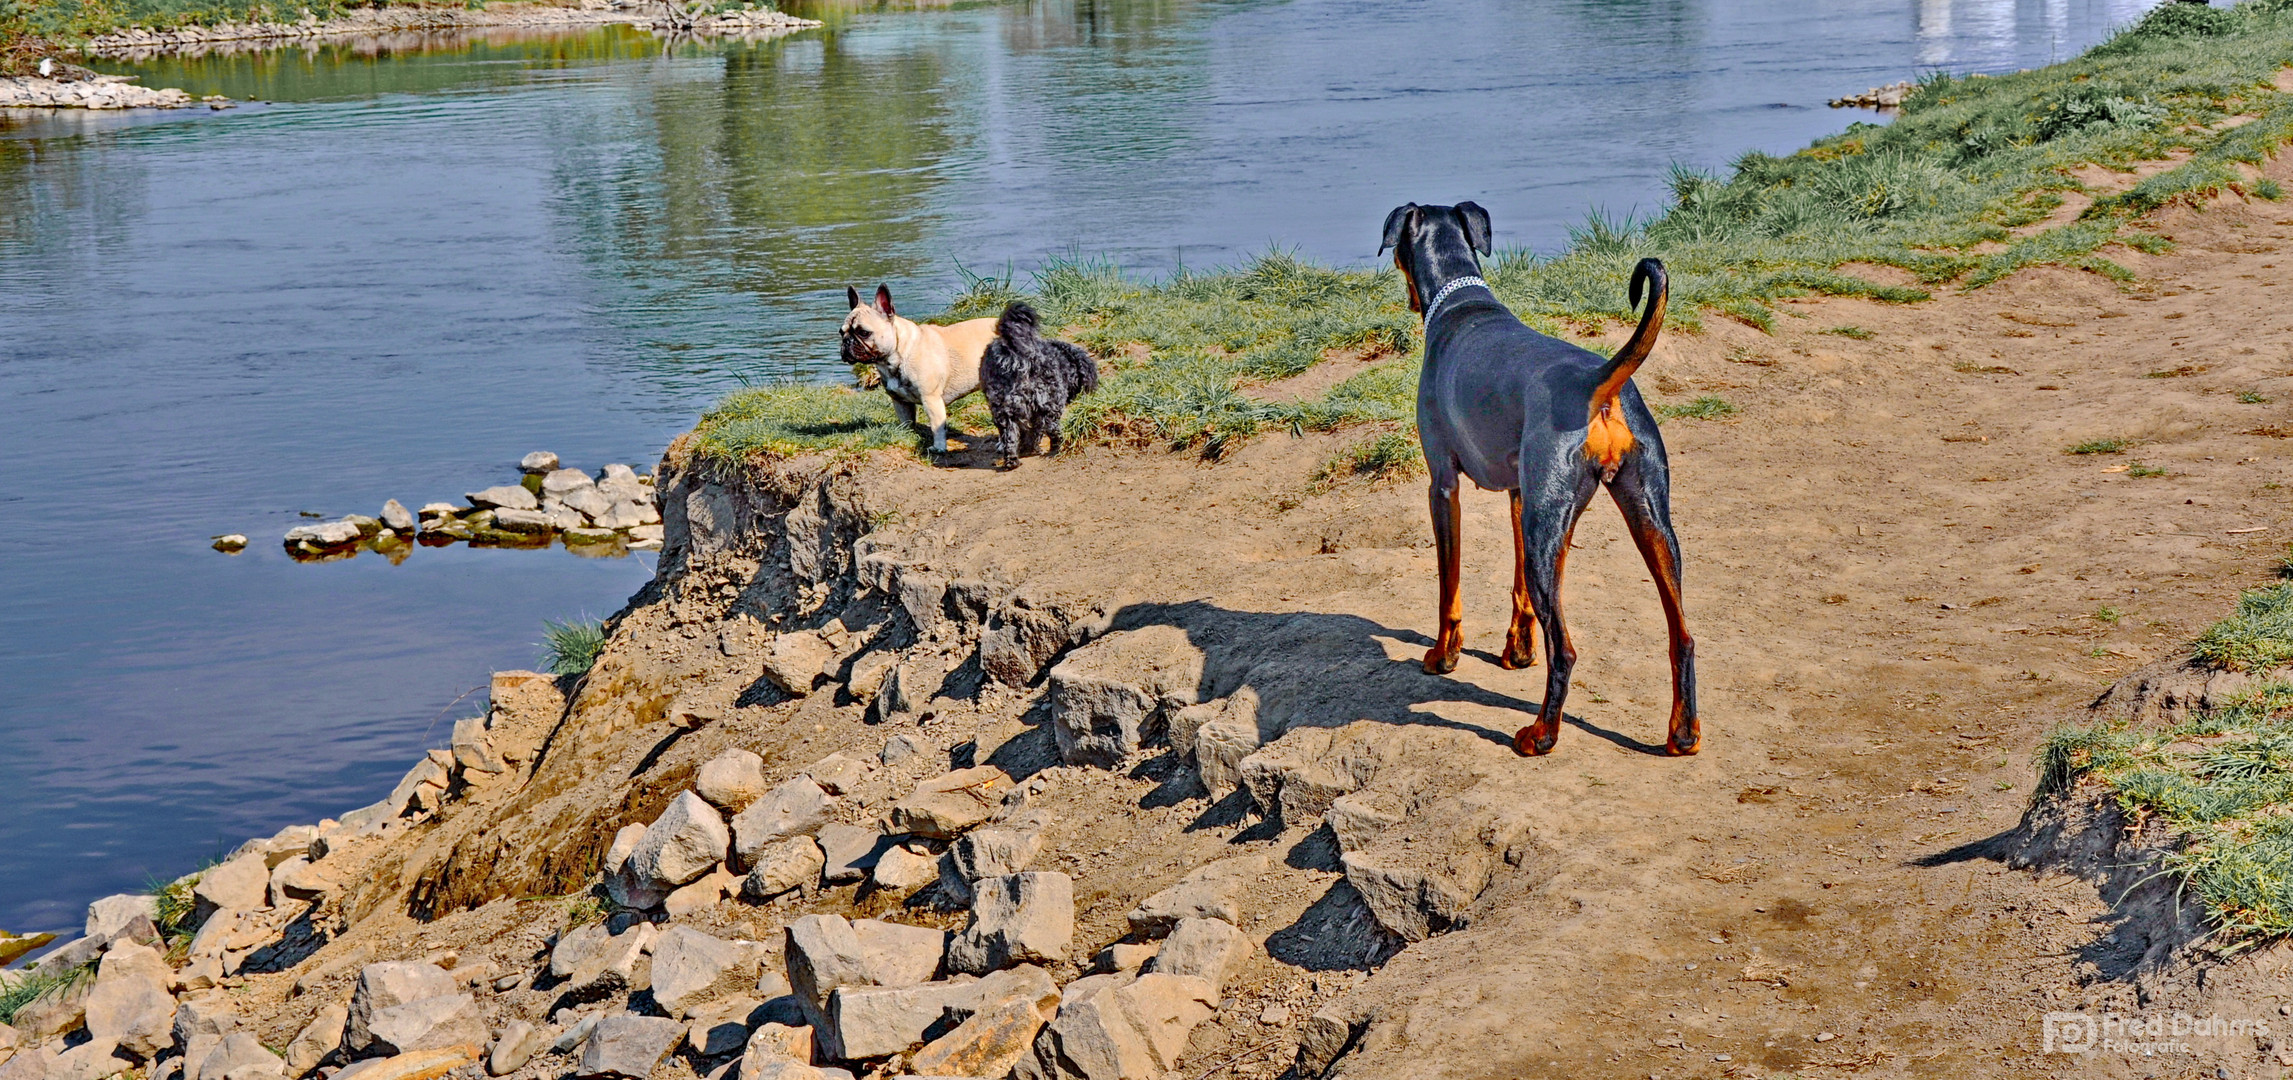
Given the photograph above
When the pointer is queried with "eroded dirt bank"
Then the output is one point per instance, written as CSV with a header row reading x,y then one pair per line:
x,y
1894,576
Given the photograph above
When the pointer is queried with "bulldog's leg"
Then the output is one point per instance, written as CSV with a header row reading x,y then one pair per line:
x,y
936,412
907,411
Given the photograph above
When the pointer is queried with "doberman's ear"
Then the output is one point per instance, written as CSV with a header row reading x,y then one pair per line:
x,y
884,299
851,297
1476,225
1396,223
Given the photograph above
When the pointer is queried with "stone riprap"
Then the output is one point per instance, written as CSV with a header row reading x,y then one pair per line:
x,y
610,514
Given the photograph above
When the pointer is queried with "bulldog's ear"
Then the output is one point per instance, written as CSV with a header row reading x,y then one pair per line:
x,y
884,299
1396,224
1476,225
851,297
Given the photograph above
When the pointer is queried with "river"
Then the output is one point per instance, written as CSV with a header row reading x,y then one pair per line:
x,y
415,260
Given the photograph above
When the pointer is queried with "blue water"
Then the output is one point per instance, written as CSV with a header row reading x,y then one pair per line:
x,y
420,259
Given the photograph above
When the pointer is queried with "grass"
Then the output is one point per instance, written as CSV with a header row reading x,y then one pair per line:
x,y
2108,614
175,903
2100,446
2139,469
2252,397
2222,779
570,648
37,985
1390,455
73,21
1856,332
1957,191
1703,408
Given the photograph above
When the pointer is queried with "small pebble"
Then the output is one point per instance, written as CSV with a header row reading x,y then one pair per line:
x,y
1721,1057
1275,1015
1824,1036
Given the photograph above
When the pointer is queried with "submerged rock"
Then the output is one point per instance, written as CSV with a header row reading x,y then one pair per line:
x,y
537,463
504,497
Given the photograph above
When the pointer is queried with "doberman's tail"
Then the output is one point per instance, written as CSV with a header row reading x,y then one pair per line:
x,y
1607,437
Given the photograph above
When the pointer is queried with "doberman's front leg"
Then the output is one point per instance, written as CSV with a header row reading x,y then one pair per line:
x,y
1520,641
1449,639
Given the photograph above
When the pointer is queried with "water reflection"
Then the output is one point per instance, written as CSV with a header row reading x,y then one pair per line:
x,y
2007,35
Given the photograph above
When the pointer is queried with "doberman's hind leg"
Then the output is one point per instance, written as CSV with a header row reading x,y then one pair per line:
x,y
1643,492
1449,638
1521,640
1545,530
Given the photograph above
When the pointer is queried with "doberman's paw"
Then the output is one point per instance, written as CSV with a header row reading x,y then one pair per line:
x,y
1674,747
1528,743
1514,659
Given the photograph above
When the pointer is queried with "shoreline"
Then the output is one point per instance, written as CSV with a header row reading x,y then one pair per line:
x,y
137,43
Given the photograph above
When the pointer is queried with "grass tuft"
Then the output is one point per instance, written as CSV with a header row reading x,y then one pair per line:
x,y
571,648
1707,407
2099,446
2257,637
1391,455
37,985
1856,332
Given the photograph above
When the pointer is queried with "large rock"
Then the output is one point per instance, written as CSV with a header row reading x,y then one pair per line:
x,y
794,662
1217,736
539,463
317,1039
1206,949
1019,640
1016,918
1010,1007
1132,1031
133,916
594,961
872,1021
795,808
901,872
776,1042
1295,778
943,807
514,1045
731,780
429,1024
1421,881
322,535
241,884
783,866
52,1014
690,967
688,840
837,774
996,850
523,522
1212,892
504,497
419,1065
559,483
825,952
130,1007
1110,695
239,1054
208,1015
472,748
850,852
386,986
396,518
628,1046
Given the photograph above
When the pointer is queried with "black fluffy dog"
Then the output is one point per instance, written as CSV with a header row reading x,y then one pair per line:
x,y
1028,380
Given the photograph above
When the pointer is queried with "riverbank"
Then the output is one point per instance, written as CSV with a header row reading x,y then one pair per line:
x,y
100,92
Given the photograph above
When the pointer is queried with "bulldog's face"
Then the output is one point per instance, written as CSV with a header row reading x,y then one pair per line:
x,y
868,335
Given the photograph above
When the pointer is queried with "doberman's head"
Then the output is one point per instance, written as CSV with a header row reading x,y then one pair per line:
x,y
1435,244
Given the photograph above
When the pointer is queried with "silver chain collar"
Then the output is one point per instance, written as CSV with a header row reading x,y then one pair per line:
x,y
1453,286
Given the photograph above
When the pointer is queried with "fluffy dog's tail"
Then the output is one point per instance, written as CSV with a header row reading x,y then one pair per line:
x,y
1607,437
1020,328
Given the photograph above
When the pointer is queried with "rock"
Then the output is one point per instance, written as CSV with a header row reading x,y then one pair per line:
x,y
1110,695
849,852
518,1042
1206,949
703,894
795,808
1018,642
425,773
439,510
431,1023
317,1039
324,535
837,774
1016,918
205,1016
130,1008
1212,892
92,1061
731,780
241,884
230,543
366,526
901,692
593,960
504,497
386,986
1216,736
783,1069
239,1054
996,850
897,749
1134,1031
1326,1035
825,952
782,866
943,807
690,967
471,748
902,872
991,1042
628,1046
559,483
624,845
571,1038
297,880
523,522
720,1027
872,1021
770,1042
1359,818
396,518
1121,958
579,534
1421,881
538,463
585,501
626,515
795,662
646,534
79,952
688,840
123,915
419,1065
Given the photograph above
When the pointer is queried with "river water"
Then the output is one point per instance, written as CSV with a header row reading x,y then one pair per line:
x,y
418,259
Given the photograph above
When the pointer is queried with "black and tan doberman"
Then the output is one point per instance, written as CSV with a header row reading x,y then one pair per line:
x,y
1549,423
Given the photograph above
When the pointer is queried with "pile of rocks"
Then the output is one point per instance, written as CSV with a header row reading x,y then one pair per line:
x,y
379,19
743,22
611,513
100,92
1878,97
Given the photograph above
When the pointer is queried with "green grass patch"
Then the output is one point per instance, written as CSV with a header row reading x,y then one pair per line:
x,y
1957,190
176,905
1390,455
1703,408
2099,446
2139,469
2222,779
571,648
37,985
1856,332
2252,397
